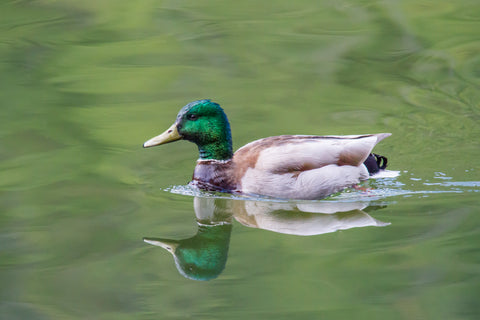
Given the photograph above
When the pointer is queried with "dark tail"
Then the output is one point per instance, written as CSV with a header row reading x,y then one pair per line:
x,y
375,163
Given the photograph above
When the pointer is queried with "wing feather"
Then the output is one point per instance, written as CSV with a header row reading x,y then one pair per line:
x,y
299,153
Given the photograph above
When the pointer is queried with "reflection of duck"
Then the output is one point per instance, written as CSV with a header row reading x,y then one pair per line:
x,y
203,256
304,219
289,166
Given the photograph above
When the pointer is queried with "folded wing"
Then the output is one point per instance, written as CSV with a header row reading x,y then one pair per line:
x,y
282,154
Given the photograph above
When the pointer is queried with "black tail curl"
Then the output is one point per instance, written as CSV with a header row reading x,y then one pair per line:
x,y
375,163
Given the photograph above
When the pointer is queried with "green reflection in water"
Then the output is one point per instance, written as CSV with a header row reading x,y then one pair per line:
x,y
203,256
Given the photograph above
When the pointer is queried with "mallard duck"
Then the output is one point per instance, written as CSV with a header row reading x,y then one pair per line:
x,y
287,166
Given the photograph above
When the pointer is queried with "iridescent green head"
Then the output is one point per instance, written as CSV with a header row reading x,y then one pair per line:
x,y
204,123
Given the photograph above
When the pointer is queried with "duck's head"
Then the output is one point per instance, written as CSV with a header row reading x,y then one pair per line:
x,y
204,123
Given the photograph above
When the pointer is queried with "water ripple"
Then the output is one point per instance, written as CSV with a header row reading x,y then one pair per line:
x,y
372,190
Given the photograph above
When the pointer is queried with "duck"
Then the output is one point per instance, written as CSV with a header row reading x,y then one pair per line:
x,y
301,167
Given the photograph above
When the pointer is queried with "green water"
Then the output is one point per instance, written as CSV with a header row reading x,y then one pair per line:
x,y
84,84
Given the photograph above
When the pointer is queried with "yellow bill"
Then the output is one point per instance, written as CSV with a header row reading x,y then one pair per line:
x,y
168,136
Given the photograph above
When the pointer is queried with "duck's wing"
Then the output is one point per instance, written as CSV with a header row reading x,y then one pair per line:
x,y
296,153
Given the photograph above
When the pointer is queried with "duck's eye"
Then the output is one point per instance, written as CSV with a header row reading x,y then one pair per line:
x,y
192,117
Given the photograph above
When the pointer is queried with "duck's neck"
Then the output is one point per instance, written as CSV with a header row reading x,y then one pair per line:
x,y
215,151
215,141
218,149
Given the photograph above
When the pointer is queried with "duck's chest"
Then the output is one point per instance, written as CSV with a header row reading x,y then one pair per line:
x,y
214,175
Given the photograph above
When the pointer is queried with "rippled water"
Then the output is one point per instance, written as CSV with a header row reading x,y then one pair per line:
x,y
376,188
87,213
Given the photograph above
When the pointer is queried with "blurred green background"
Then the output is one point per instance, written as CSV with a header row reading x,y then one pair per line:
x,y
84,84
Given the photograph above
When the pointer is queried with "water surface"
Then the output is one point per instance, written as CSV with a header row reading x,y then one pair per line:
x,y
85,84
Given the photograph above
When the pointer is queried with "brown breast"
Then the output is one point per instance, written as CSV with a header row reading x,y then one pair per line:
x,y
214,175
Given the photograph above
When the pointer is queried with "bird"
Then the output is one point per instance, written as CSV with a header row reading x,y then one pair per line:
x,y
302,167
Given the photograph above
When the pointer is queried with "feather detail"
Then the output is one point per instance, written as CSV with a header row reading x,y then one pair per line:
x,y
303,167
283,154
